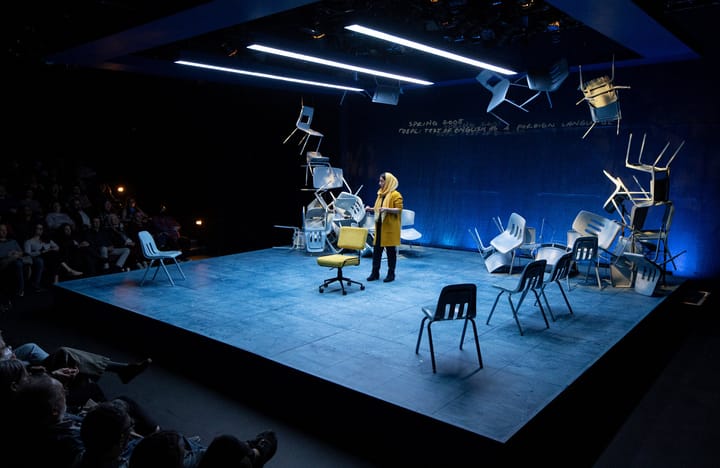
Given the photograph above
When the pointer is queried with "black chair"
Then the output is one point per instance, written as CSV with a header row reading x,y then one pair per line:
x,y
456,302
530,280
558,274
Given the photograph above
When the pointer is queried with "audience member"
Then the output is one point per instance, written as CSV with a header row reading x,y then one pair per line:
x,y
45,254
87,363
76,256
24,224
44,434
30,200
107,432
56,217
101,240
79,215
131,212
227,451
166,231
14,264
78,193
8,204
166,449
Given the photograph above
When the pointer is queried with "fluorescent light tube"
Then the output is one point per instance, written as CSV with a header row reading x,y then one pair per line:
x,y
430,50
332,63
265,75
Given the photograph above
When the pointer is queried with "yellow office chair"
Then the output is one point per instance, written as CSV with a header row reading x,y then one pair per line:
x,y
351,239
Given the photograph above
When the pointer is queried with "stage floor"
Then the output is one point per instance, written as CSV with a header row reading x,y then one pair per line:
x,y
267,304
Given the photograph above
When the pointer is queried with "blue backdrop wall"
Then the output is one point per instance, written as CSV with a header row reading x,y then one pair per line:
x,y
459,167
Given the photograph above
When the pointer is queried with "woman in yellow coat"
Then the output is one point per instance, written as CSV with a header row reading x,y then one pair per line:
x,y
388,208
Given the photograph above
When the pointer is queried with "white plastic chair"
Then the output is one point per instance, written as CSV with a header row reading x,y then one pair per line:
x,y
408,233
157,257
512,237
498,86
303,124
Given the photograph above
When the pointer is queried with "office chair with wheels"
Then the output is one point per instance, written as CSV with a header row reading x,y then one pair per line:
x,y
351,239
456,302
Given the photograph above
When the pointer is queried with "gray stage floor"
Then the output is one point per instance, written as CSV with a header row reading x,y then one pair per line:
x,y
267,302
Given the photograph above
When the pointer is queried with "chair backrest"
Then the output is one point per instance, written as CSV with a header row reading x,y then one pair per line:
x,y
352,238
585,249
350,205
548,79
532,276
407,218
496,84
147,244
305,118
457,301
562,266
591,224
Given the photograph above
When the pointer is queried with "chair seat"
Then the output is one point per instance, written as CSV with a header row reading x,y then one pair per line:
x,y
410,234
338,260
505,242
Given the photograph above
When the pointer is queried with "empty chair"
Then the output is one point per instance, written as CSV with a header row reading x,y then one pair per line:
x,y
602,98
456,302
546,80
157,257
498,86
512,237
585,253
351,239
408,233
559,273
606,230
303,123
531,280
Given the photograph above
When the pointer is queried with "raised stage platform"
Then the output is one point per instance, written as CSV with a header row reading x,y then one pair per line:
x,y
344,367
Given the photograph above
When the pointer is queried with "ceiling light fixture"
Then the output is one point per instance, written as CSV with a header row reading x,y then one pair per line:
x,y
268,76
430,50
332,63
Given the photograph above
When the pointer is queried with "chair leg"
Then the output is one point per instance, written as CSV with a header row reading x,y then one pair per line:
x,y
420,333
432,348
477,340
177,264
542,310
487,322
514,311
564,297
547,303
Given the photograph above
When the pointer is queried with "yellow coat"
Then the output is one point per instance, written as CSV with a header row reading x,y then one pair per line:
x,y
391,225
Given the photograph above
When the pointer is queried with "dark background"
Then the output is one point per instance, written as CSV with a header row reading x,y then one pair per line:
x,y
216,151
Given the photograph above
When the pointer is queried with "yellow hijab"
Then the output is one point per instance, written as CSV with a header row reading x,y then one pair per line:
x,y
391,184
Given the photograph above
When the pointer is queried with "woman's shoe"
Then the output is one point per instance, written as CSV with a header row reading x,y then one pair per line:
x,y
389,278
373,277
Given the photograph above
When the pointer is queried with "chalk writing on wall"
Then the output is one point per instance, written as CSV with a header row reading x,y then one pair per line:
x,y
464,127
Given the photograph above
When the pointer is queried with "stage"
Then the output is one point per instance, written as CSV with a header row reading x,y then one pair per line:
x,y
345,367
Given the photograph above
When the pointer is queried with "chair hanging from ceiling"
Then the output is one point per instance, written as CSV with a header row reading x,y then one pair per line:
x,y
498,86
546,80
601,95
303,124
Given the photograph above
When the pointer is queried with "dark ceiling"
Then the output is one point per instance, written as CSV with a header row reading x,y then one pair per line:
x,y
146,36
